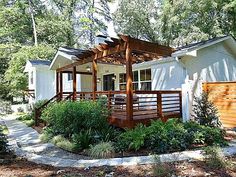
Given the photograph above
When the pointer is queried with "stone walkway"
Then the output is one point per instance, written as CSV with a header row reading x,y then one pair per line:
x,y
26,143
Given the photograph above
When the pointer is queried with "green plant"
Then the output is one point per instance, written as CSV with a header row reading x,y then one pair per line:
x,y
57,139
132,139
161,169
46,135
3,142
214,157
102,150
66,145
82,140
205,112
70,118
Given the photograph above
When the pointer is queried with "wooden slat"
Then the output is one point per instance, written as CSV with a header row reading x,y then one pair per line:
x,y
223,95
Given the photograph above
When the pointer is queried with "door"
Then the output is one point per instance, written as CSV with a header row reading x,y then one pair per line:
x,y
109,82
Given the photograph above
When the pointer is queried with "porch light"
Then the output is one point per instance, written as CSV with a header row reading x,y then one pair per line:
x,y
114,77
88,68
98,80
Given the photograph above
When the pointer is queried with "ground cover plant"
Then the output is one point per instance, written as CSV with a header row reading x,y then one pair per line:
x,y
28,118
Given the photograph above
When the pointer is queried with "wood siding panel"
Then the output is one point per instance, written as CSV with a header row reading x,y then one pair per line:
x,y
223,95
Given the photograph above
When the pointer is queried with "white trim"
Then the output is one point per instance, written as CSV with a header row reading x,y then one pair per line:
x,y
191,51
59,53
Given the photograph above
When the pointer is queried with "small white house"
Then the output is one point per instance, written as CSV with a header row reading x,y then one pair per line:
x,y
41,80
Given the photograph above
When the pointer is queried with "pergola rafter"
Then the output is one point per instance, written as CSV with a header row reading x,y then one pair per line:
x,y
124,50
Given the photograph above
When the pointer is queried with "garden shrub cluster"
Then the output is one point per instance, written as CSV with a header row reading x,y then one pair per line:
x,y
82,123
83,126
170,136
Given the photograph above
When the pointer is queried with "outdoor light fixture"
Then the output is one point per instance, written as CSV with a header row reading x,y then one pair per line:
x,y
88,68
98,80
114,77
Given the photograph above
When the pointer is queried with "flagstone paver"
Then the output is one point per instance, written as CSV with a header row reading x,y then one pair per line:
x,y
26,143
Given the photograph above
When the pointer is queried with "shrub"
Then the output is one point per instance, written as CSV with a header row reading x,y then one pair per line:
x,y
57,139
66,145
132,139
3,142
20,109
214,157
70,118
82,140
46,135
161,169
167,137
102,150
28,119
205,112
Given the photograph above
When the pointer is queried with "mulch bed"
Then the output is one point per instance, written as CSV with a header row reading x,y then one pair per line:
x,y
23,168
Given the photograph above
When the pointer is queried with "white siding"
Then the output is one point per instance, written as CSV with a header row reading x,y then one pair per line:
x,y
214,63
45,83
167,76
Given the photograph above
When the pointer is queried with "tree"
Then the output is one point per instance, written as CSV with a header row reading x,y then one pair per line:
x,y
14,76
176,22
138,19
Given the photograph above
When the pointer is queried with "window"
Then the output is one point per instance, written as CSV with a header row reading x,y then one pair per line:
x,y
144,83
146,79
32,77
69,77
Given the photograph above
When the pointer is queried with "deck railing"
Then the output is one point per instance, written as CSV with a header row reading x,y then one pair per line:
x,y
147,105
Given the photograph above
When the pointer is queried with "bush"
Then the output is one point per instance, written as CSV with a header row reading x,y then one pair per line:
x,y
28,119
66,145
132,139
70,118
161,169
82,140
102,150
215,157
3,142
205,112
170,136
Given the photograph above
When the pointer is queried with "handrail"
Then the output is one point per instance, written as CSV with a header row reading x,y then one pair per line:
x,y
69,96
38,110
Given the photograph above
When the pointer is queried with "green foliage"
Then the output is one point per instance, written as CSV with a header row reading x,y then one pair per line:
x,y
66,145
102,150
132,139
6,107
205,112
3,142
175,22
161,169
170,136
70,118
14,76
214,157
82,140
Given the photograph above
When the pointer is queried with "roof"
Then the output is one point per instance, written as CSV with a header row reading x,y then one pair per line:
x,y
180,51
198,44
40,62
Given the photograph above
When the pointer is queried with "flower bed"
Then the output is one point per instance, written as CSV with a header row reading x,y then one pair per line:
x,y
82,127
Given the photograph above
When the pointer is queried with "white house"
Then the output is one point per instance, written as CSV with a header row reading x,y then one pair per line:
x,y
186,69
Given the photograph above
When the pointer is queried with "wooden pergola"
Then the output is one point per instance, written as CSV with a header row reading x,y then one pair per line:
x,y
124,50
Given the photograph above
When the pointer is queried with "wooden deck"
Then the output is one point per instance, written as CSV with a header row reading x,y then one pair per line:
x,y
147,105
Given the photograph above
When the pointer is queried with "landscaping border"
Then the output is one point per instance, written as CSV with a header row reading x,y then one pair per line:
x,y
62,162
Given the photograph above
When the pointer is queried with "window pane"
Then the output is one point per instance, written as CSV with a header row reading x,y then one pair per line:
x,y
135,86
148,74
146,86
142,75
122,77
122,86
135,76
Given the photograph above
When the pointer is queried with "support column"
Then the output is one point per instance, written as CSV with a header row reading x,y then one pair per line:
x,y
74,83
61,85
94,68
129,83
57,82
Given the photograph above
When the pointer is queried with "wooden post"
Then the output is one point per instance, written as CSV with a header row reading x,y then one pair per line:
x,y
180,104
159,106
94,66
74,83
61,86
57,82
129,83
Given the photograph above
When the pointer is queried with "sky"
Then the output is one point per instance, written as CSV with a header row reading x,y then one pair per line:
x,y
111,31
